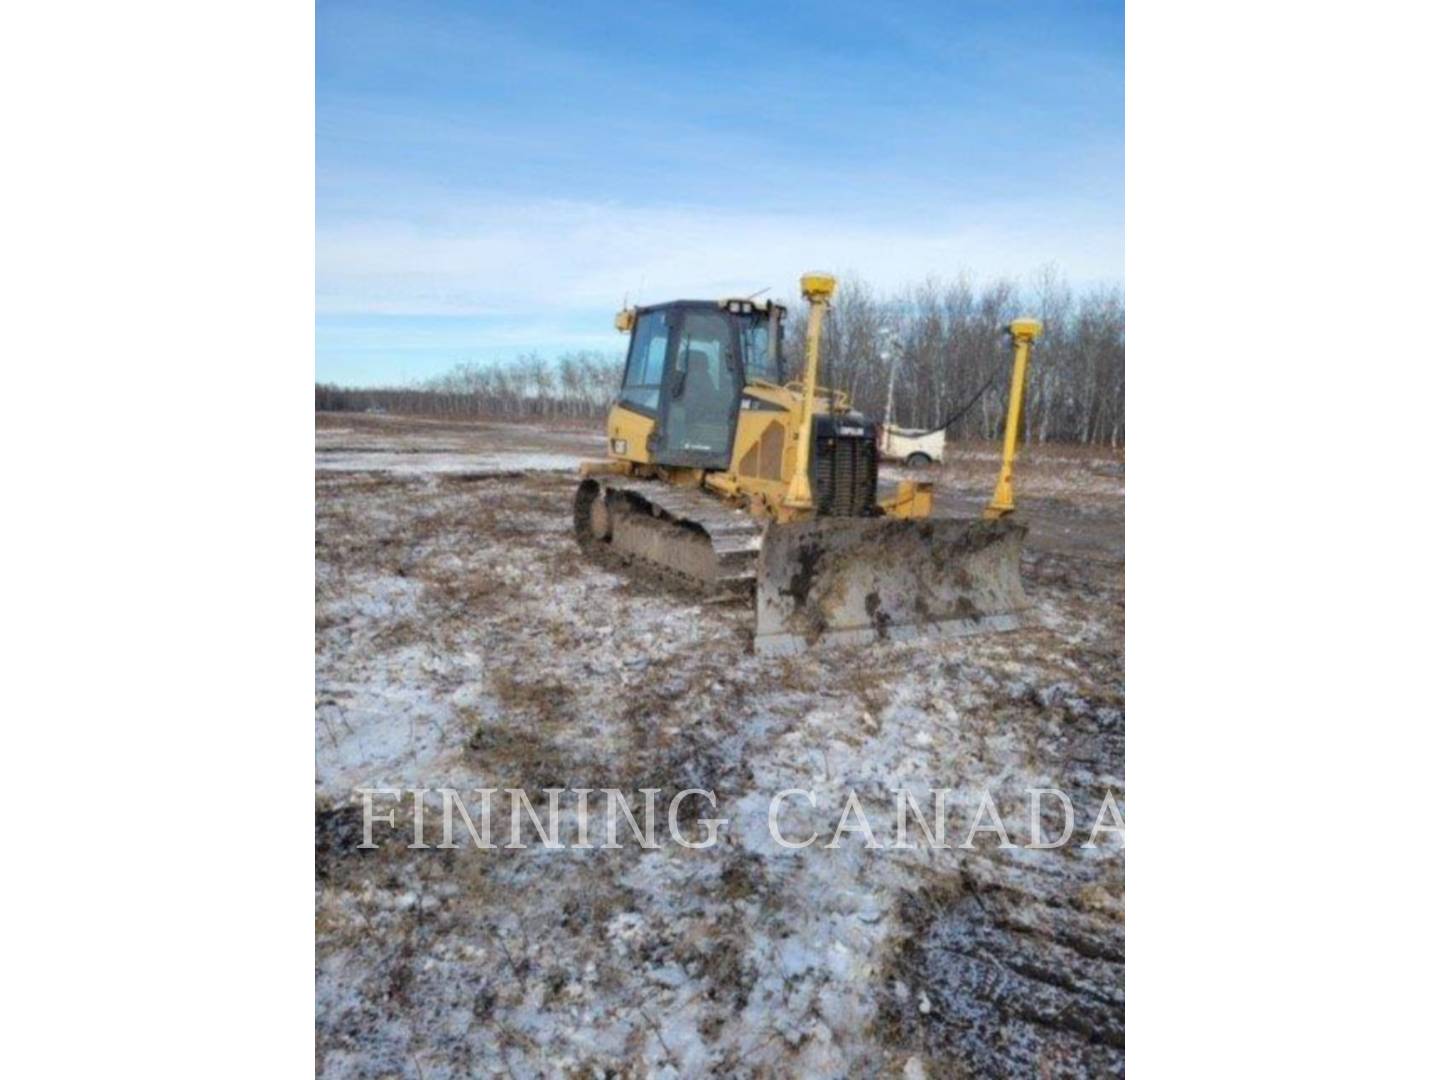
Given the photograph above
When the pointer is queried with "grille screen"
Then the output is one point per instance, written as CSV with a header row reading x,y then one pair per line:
x,y
845,475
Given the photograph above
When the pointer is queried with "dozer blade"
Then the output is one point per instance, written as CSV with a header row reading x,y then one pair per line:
x,y
853,580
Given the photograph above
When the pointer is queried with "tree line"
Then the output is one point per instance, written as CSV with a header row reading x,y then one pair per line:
x,y
944,340
946,343
574,386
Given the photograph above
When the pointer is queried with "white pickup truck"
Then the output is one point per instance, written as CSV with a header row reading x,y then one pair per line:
x,y
914,448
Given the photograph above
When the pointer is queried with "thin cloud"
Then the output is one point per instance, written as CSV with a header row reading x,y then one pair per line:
x,y
504,258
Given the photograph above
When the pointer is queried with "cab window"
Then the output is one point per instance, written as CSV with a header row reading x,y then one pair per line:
x,y
760,362
645,368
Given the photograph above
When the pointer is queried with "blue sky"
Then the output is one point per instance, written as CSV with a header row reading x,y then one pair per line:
x,y
497,178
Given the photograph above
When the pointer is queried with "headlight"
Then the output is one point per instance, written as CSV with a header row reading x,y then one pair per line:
x,y
619,446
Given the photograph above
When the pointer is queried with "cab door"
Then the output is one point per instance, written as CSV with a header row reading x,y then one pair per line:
x,y
700,398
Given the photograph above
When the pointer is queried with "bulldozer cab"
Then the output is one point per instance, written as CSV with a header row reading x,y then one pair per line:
x,y
688,365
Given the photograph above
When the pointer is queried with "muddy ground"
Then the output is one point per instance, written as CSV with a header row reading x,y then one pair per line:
x,y
463,642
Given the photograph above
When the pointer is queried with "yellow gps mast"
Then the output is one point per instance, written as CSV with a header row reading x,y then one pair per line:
x,y
1023,332
818,289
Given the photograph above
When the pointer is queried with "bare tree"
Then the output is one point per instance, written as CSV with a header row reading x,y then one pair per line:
x,y
946,340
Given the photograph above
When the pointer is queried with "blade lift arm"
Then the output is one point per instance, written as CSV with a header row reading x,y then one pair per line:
x,y
1023,332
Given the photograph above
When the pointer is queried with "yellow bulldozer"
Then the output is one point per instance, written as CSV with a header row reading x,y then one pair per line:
x,y
724,477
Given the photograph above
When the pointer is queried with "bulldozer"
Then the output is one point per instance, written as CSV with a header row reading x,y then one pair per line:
x,y
724,477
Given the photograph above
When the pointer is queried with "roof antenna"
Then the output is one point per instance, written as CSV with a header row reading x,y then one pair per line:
x,y
753,295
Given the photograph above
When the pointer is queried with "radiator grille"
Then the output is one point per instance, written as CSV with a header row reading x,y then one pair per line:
x,y
845,474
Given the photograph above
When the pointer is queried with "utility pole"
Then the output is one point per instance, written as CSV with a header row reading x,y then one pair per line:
x,y
889,354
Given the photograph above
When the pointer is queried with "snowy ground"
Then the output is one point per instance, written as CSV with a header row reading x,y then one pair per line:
x,y
462,642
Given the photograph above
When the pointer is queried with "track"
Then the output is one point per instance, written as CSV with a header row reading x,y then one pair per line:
x,y
685,534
